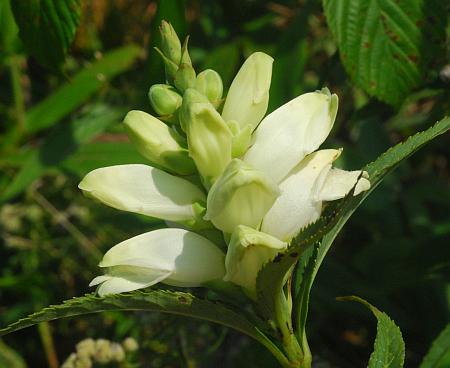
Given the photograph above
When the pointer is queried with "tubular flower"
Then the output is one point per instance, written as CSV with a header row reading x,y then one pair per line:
x,y
257,180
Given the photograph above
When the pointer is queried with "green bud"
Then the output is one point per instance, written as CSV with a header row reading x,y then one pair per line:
x,y
184,77
210,84
209,138
185,58
158,143
170,67
164,99
240,196
170,43
241,138
248,251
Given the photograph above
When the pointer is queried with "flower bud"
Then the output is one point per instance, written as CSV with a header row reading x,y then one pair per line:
x,y
170,43
248,95
209,138
184,77
130,344
185,58
164,99
158,143
210,84
170,67
248,251
240,196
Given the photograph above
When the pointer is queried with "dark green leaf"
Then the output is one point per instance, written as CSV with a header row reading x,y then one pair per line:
x,y
47,27
386,46
179,303
80,88
439,354
8,29
60,144
389,347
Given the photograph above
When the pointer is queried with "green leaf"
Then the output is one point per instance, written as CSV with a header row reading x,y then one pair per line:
x,y
60,144
273,275
10,358
389,347
439,354
73,94
386,46
100,154
8,29
174,302
47,27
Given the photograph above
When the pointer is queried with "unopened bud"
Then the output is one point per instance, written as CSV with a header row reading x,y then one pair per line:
x,y
170,43
130,344
210,84
248,251
164,99
240,196
209,138
184,77
117,352
158,143
185,58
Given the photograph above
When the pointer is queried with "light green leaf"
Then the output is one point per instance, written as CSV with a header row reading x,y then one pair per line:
x,y
74,93
439,354
47,27
389,347
60,144
272,277
174,302
387,46
10,358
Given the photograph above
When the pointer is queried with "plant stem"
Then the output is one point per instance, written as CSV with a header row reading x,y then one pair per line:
x,y
19,102
49,346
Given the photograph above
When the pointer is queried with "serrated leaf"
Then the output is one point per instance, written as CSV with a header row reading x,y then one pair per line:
x,y
47,27
165,301
389,347
273,275
439,354
74,93
60,144
386,45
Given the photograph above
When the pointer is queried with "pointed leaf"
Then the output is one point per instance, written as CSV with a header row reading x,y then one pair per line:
x,y
439,354
389,347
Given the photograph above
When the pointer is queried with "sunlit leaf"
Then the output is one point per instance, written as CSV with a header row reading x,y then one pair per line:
x,y
439,354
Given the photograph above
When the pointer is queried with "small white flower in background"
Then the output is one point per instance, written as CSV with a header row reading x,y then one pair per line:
x,y
258,180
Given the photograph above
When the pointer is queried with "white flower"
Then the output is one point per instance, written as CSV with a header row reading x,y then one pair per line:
x,y
173,256
265,181
145,190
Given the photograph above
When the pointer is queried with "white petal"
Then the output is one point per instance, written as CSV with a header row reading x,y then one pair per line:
x,y
291,132
190,258
297,206
248,96
143,189
116,285
338,183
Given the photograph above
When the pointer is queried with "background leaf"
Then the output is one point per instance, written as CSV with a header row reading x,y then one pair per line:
x,y
59,145
439,354
389,347
80,88
386,46
47,27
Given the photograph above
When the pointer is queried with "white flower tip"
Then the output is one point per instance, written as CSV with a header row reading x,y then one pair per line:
x,y
362,185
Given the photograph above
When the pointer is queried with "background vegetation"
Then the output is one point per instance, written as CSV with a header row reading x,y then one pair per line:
x,y
70,70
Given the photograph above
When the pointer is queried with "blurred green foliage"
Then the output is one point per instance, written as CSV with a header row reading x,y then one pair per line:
x,y
58,124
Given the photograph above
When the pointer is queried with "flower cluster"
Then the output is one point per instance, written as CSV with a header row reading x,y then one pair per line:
x,y
258,180
102,351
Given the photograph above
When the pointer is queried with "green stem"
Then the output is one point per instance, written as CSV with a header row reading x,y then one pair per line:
x,y
49,346
17,92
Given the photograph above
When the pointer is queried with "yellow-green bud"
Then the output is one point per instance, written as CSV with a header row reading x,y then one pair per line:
x,y
170,43
164,99
209,138
184,77
185,58
240,196
248,251
130,344
158,143
241,138
210,84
